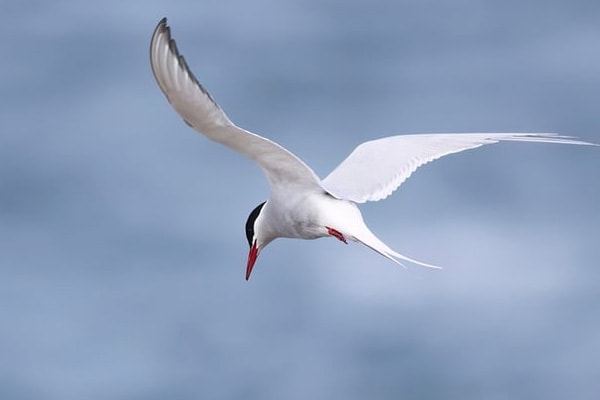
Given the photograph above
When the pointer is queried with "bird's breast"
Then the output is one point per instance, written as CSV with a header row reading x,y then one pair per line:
x,y
307,217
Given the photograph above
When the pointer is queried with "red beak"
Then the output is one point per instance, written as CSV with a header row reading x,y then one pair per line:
x,y
252,255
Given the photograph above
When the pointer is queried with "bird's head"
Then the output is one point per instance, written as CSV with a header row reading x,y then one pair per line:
x,y
255,236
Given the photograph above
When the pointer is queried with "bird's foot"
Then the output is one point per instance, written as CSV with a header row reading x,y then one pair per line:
x,y
336,234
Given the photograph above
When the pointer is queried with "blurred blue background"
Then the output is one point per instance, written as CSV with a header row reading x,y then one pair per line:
x,y
122,249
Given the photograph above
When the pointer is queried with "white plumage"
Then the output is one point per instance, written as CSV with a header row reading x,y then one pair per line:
x,y
378,167
301,205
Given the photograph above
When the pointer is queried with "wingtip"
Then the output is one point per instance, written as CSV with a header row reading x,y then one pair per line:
x,y
549,137
161,26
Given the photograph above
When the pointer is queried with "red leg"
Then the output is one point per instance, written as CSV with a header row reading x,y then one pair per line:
x,y
336,234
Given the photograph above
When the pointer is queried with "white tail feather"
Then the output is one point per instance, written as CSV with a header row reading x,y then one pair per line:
x,y
373,242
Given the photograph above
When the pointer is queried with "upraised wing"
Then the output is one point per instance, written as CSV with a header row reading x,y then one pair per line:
x,y
378,167
199,110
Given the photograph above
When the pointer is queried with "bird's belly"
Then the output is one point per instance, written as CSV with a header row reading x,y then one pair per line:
x,y
301,226
310,217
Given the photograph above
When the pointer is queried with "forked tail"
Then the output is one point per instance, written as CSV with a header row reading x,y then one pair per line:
x,y
370,240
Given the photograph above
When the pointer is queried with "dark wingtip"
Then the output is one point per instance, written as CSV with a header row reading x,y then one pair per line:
x,y
161,26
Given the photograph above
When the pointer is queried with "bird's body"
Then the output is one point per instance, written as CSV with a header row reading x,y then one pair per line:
x,y
301,205
303,216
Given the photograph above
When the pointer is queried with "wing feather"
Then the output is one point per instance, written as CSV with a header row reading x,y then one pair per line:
x,y
375,169
200,111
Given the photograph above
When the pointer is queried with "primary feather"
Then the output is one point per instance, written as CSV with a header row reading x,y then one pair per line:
x,y
376,168
200,111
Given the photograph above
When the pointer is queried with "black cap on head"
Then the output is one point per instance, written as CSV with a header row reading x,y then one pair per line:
x,y
250,222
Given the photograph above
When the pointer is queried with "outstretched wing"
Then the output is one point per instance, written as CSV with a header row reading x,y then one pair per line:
x,y
200,111
378,167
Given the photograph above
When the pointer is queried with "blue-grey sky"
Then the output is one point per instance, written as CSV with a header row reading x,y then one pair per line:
x,y
122,249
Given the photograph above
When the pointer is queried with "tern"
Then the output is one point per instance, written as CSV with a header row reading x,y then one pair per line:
x,y
301,205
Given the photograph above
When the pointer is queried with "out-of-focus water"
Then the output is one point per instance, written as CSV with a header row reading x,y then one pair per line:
x,y
122,251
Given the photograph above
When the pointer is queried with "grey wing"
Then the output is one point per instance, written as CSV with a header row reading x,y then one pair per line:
x,y
378,167
200,111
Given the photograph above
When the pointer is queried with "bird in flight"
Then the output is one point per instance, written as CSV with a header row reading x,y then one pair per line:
x,y
301,205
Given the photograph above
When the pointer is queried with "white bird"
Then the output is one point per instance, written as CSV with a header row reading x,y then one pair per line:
x,y
300,204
